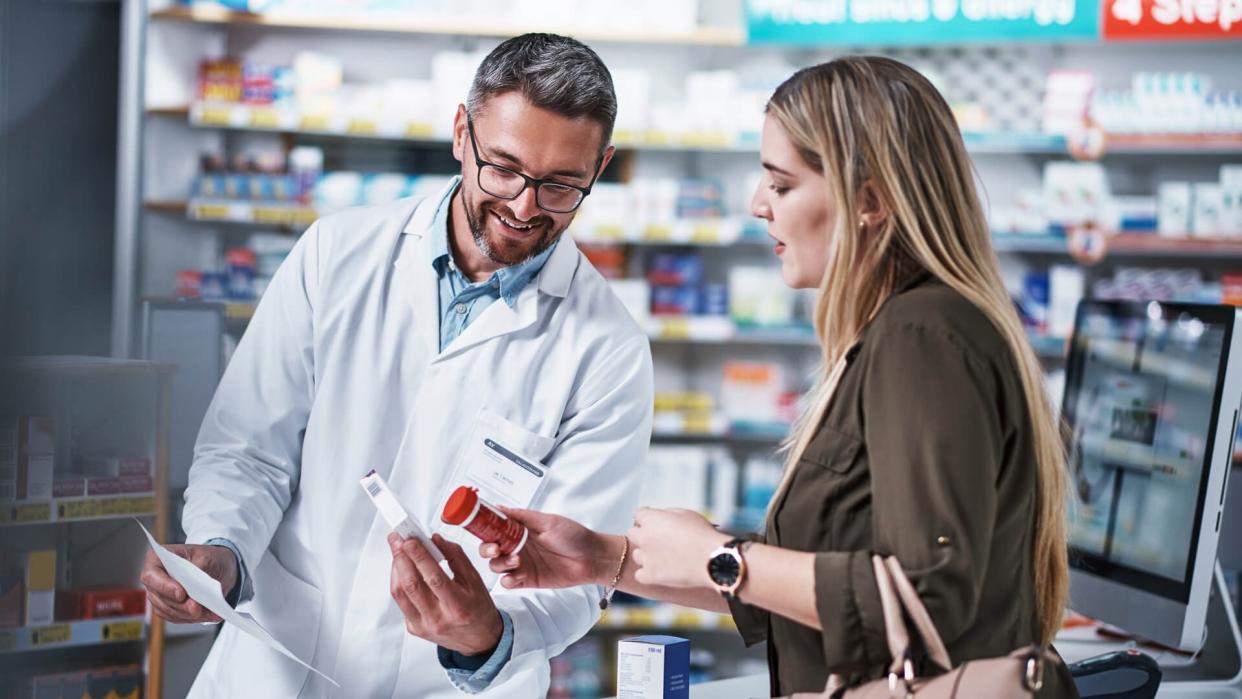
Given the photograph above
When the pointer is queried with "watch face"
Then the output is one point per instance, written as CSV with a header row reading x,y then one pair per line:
x,y
724,569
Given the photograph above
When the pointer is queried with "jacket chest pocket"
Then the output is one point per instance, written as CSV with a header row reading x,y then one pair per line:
x,y
831,449
530,443
824,489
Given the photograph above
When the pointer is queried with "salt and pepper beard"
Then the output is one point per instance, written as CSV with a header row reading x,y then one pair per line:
x,y
476,217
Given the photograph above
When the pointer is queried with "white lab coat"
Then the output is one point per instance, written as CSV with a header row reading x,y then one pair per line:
x,y
340,373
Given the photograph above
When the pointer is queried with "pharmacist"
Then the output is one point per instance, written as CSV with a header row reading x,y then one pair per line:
x,y
390,336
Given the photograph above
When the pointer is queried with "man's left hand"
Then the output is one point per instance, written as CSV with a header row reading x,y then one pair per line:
x,y
456,613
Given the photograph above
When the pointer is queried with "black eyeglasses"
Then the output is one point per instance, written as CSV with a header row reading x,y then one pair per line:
x,y
503,183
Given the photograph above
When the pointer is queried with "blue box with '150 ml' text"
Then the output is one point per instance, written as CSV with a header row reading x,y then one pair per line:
x,y
653,667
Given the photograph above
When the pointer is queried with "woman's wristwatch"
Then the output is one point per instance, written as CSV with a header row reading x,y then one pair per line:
x,y
727,568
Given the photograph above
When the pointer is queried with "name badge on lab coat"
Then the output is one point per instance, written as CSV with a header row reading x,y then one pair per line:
x,y
502,475
496,461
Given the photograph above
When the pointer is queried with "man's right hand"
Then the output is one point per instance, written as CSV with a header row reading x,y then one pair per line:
x,y
169,599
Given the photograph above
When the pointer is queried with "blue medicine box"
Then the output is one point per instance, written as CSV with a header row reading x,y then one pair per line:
x,y
653,667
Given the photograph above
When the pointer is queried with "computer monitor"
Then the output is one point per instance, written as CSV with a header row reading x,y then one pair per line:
x,y
1152,393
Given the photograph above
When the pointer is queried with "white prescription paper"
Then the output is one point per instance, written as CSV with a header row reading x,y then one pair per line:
x,y
205,590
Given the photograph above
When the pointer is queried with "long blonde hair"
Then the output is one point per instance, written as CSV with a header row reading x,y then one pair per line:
x,y
874,121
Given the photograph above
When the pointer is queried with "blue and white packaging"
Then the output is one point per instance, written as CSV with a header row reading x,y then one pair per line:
x,y
653,667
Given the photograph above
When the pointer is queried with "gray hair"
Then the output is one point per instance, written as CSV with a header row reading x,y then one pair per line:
x,y
552,72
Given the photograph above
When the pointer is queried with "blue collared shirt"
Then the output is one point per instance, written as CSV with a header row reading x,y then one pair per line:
x,y
461,300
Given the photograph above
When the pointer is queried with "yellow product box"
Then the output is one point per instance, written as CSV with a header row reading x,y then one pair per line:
x,y
40,588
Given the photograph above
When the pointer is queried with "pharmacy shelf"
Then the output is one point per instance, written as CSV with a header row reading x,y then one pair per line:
x,y
989,142
247,117
690,330
685,232
1045,243
241,311
713,330
70,634
1048,346
1150,244
993,142
291,121
279,215
84,509
663,616
274,213
720,233
1179,144
199,14
1128,244
174,207
763,433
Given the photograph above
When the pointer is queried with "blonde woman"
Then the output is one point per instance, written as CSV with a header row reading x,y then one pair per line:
x,y
929,437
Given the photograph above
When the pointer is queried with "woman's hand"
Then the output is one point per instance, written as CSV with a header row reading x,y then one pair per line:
x,y
671,547
559,552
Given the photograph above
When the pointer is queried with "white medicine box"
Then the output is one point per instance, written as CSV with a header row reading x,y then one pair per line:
x,y
653,667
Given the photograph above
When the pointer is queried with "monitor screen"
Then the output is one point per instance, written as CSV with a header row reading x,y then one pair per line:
x,y
1142,399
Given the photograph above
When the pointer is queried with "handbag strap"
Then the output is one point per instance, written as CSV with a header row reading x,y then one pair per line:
x,y
898,598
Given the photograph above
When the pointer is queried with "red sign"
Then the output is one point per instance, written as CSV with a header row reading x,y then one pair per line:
x,y
1172,19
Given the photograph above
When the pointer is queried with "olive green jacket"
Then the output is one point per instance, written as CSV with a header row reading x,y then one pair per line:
x,y
926,454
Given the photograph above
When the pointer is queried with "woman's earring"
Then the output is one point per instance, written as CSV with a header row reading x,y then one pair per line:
x,y
862,225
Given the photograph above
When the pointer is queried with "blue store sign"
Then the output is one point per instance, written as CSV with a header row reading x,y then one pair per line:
x,y
905,22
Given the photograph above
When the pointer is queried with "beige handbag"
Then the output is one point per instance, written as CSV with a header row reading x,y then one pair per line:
x,y
1017,675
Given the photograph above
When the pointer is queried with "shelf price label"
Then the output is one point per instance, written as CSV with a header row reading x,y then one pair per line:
x,y
657,234
304,217
36,512
641,617
705,139
50,635
121,631
239,311
674,329
624,138
215,116
314,122
8,640
653,137
418,129
686,619
106,507
272,214
264,118
362,127
697,424
705,234
210,211
609,232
